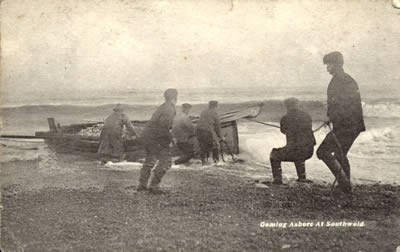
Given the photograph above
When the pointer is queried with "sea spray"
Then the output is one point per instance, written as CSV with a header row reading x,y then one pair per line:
x,y
375,155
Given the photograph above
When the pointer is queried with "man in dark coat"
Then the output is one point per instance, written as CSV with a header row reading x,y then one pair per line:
x,y
300,141
157,139
208,132
184,134
111,144
345,114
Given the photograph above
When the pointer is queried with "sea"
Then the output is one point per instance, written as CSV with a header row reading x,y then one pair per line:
x,y
374,157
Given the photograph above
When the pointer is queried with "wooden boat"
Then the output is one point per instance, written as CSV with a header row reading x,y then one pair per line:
x,y
67,138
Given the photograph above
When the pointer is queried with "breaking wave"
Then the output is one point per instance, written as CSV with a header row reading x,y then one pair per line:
x,y
273,108
384,109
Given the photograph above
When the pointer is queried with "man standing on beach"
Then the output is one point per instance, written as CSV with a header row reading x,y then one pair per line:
x,y
111,145
208,132
157,139
345,114
183,132
300,141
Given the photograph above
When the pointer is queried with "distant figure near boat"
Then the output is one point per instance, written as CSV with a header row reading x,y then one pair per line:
x,y
346,115
300,141
111,145
184,133
208,131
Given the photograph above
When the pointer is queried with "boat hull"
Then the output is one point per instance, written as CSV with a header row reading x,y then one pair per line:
x,y
67,140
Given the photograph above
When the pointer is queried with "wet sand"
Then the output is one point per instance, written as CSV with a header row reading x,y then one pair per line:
x,y
71,203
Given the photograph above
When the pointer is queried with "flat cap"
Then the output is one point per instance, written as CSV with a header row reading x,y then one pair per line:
x,y
118,108
186,106
170,93
212,104
334,58
291,102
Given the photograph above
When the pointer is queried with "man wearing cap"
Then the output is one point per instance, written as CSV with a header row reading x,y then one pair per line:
x,y
157,139
183,132
111,144
300,141
208,132
345,114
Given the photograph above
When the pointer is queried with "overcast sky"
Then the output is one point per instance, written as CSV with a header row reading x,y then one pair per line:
x,y
71,46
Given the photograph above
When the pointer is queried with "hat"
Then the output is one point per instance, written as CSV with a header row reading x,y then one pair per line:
x,y
170,93
186,106
212,104
333,58
291,102
118,108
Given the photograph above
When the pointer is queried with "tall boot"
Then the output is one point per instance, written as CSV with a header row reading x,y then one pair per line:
x,y
301,170
276,171
203,156
337,170
144,177
155,180
346,167
215,155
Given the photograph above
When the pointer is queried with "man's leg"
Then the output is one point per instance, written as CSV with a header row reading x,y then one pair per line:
x,y
328,153
301,170
215,154
275,159
146,169
206,144
164,164
300,157
202,145
346,140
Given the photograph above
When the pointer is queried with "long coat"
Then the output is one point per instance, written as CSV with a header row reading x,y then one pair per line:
x,y
209,120
111,134
183,128
344,104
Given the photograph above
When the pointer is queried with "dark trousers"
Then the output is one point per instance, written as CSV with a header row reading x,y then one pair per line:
x,y
187,150
155,152
207,144
285,154
330,149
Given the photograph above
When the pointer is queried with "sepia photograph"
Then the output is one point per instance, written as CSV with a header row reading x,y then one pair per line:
x,y
184,125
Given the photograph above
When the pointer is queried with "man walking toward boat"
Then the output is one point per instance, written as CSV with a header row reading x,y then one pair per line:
x,y
184,134
345,114
208,132
111,145
300,141
157,139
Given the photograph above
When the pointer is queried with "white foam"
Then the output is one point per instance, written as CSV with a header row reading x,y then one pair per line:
x,y
385,109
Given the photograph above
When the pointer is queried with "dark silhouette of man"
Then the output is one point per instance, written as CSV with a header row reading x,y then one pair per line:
x,y
300,141
346,115
157,139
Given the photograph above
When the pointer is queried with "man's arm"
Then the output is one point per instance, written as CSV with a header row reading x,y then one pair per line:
x,y
128,125
189,126
218,125
283,124
165,122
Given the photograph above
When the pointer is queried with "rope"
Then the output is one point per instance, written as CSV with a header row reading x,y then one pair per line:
x,y
320,127
276,126
271,125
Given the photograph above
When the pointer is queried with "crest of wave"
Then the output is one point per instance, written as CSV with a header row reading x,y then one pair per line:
x,y
386,109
